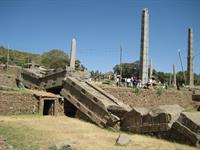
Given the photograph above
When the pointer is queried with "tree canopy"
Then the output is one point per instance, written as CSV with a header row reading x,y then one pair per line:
x,y
132,70
128,69
53,59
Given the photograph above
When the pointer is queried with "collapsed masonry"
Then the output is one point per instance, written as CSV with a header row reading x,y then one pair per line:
x,y
95,105
144,120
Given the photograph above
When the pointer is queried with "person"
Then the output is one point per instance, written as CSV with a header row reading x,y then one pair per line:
x,y
139,85
134,83
178,86
34,109
117,81
129,82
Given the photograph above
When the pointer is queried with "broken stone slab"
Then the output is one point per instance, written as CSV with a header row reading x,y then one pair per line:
x,y
117,110
93,103
191,120
148,120
196,97
122,139
64,146
187,129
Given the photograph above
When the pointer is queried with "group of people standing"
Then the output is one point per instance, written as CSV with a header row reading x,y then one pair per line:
x,y
129,82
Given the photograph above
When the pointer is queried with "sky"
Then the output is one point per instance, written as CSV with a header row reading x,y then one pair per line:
x,y
101,27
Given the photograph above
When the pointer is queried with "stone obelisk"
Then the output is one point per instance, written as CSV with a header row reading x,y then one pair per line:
x,y
174,76
190,75
144,46
150,68
73,54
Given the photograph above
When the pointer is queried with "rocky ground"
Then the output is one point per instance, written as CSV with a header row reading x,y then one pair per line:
x,y
7,77
4,145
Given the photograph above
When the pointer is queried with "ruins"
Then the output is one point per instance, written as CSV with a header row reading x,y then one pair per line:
x,y
190,74
93,104
150,68
144,46
174,75
84,100
73,54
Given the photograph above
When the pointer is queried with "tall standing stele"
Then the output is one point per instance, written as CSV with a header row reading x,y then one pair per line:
x,y
150,68
144,46
174,75
73,54
190,75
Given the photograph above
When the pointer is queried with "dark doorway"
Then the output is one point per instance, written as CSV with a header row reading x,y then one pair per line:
x,y
69,109
49,107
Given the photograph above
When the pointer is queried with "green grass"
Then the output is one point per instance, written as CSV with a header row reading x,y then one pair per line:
x,y
159,91
21,138
10,89
30,132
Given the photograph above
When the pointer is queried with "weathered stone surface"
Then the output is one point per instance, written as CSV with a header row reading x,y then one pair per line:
x,y
46,97
190,58
64,146
21,102
174,75
196,97
13,103
73,54
143,120
187,128
150,68
123,139
33,79
93,102
191,120
144,46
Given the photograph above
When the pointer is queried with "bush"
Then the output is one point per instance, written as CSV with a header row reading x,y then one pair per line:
x,y
159,91
106,82
136,91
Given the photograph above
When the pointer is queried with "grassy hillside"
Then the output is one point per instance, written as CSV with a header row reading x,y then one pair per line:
x,y
54,58
17,57
38,133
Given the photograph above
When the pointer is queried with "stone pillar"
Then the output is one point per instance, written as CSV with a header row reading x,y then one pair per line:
x,y
73,54
190,75
170,79
174,76
144,47
150,68
41,105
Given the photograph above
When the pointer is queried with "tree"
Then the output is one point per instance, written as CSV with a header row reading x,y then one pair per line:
x,y
128,69
196,79
180,78
55,59
95,75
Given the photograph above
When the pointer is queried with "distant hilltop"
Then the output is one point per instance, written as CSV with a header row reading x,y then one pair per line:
x,y
54,58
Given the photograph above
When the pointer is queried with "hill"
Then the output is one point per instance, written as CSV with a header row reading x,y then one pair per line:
x,y
53,59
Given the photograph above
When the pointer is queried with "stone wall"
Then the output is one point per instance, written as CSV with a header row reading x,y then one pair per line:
x,y
16,102
21,102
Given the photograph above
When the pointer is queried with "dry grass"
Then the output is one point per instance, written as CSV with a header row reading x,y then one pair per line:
x,y
38,133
